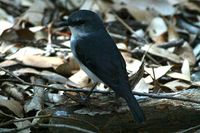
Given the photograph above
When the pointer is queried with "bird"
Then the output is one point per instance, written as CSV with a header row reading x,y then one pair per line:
x,y
98,55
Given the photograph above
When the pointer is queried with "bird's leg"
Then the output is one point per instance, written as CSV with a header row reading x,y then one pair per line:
x,y
89,93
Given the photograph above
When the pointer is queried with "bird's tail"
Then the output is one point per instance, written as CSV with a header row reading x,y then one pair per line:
x,y
135,109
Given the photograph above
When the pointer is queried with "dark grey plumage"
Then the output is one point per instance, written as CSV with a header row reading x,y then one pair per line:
x,y
99,56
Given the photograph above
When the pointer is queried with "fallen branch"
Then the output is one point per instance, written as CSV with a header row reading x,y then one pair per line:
x,y
157,96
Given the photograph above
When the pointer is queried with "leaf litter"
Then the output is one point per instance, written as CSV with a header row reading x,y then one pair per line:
x,y
31,47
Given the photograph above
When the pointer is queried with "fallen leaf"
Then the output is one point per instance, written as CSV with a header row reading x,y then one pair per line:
x,y
177,75
8,63
12,105
54,77
6,25
139,14
24,71
177,85
13,91
7,48
23,124
35,13
160,52
186,52
26,51
142,87
80,78
69,66
13,35
191,6
156,30
172,33
159,72
41,61
185,69
162,7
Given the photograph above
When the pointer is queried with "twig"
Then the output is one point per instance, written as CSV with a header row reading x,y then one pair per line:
x,y
170,44
161,96
6,115
15,130
23,119
190,130
123,23
128,27
153,60
158,96
137,43
10,73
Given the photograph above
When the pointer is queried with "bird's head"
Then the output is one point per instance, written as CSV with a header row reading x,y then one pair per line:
x,y
84,21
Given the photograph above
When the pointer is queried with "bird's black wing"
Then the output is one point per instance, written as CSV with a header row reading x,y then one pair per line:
x,y
99,54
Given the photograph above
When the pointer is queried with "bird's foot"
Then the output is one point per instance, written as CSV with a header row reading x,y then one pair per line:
x,y
85,100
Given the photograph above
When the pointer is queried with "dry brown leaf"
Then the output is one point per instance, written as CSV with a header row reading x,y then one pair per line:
x,y
138,14
192,6
54,77
6,25
159,72
69,66
12,105
172,34
157,29
23,124
142,86
8,63
176,75
125,52
154,50
161,6
26,51
177,85
127,56
35,13
133,66
24,71
197,83
80,78
186,52
134,78
14,35
13,91
41,61
7,48
185,69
